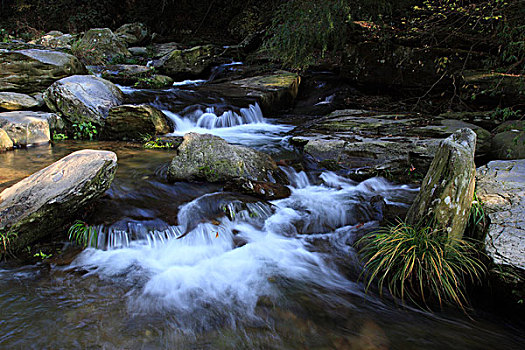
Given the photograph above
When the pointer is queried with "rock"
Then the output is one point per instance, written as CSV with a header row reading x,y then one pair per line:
x,y
509,141
161,50
83,98
194,62
33,70
102,43
25,128
39,206
273,92
501,189
502,88
56,39
138,51
13,101
155,81
210,158
129,122
5,141
446,193
132,33
125,74
259,189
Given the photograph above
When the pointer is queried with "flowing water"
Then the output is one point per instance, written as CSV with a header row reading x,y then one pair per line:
x,y
187,266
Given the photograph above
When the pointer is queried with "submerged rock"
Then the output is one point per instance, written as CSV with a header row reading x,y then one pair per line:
x,y
14,101
446,193
259,189
83,98
187,63
129,122
26,128
39,206
5,141
34,70
210,158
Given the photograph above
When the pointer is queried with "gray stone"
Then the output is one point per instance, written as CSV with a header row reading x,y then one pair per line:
x,y
13,101
26,128
509,141
446,193
138,51
501,188
55,39
101,42
42,204
34,70
187,63
210,158
132,33
83,98
5,141
129,122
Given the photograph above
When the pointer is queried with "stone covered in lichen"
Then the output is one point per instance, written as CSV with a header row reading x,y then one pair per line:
x,y
447,190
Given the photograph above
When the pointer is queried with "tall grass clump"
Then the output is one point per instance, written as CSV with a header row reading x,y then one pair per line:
x,y
83,234
420,264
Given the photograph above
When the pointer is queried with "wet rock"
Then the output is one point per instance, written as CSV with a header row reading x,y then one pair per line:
x,y
132,33
5,141
34,70
501,188
210,158
26,128
273,92
509,141
138,51
83,98
39,206
446,193
13,101
156,81
161,50
125,74
194,62
129,122
103,43
56,39
259,189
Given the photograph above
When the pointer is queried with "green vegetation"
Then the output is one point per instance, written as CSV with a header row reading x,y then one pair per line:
x,y
59,137
42,255
121,59
84,131
159,143
83,234
5,239
506,113
420,264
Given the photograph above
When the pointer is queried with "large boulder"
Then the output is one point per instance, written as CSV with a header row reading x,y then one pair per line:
x,y
210,158
42,204
55,39
34,70
5,141
132,33
83,98
446,194
194,62
273,92
13,101
129,122
26,128
101,43
501,189
509,141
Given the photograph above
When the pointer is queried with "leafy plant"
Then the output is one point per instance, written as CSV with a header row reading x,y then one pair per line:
x,y
420,263
506,113
121,59
83,234
159,143
59,137
42,255
5,239
84,131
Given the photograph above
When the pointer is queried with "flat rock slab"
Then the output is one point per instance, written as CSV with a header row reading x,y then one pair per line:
x,y
34,70
14,101
273,92
41,204
501,188
26,128
130,122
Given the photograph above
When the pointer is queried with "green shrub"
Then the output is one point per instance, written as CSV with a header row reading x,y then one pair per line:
x,y
84,131
420,264
159,143
5,240
83,234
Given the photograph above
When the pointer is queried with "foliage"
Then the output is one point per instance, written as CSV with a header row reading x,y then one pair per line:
x,y
84,131
42,255
420,263
304,29
83,234
159,143
4,35
5,239
506,113
122,59
59,137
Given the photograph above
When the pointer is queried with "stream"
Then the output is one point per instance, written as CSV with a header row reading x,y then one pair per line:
x,y
187,266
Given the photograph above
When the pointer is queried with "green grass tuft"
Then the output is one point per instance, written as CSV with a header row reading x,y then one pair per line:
x,y
83,234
